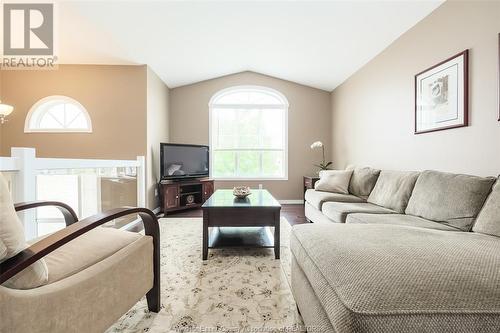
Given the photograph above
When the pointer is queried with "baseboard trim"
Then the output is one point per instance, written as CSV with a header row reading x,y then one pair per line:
x,y
291,202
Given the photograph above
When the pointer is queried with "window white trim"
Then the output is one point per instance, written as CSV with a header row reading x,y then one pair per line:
x,y
285,106
65,99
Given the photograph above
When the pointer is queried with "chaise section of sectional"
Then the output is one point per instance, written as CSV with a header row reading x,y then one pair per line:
x,y
392,278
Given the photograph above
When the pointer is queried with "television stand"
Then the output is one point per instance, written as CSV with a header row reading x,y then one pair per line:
x,y
176,195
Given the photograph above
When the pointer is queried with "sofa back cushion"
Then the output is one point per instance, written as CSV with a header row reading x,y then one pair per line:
x,y
12,241
488,220
449,198
363,181
393,189
335,181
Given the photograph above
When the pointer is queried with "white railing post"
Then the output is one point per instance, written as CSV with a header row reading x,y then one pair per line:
x,y
141,181
26,186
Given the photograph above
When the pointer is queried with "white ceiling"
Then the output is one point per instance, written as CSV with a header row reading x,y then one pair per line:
x,y
315,43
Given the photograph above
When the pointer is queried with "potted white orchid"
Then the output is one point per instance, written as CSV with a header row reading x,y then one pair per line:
x,y
323,165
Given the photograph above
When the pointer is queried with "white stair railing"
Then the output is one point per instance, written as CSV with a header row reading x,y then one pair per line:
x,y
25,166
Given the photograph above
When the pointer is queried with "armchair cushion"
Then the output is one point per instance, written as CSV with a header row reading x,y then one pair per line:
x,y
12,241
87,250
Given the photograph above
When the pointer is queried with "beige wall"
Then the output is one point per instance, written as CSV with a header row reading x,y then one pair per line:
x,y
157,131
308,121
373,111
114,96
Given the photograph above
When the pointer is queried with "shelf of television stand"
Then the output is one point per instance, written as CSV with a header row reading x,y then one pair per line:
x,y
188,193
172,194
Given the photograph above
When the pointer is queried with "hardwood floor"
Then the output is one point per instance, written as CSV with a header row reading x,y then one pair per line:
x,y
294,214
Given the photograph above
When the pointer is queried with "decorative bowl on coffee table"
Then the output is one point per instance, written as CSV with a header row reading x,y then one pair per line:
x,y
241,192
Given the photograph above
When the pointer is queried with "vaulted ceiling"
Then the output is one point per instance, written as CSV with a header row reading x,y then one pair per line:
x,y
315,43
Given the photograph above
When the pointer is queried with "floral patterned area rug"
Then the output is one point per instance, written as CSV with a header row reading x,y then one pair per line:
x,y
235,290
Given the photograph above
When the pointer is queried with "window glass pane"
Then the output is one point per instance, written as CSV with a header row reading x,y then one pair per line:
x,y
248,128
272,163
224,131
79,122
48,121
272,129
248,163
57,111
224,163
62,188
71,112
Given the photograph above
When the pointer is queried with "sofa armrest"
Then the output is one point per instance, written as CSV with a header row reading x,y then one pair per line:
x,y
69,214
40,249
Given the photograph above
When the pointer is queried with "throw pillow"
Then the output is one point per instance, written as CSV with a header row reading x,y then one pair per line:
x,y
12,242
335,181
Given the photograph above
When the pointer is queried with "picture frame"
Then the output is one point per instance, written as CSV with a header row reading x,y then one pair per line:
x,y
442,95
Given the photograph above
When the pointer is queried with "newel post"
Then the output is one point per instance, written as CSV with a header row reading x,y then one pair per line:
x,y
25,187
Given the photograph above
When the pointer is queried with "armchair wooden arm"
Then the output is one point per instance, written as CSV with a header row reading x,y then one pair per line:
x,y
16,264
68,212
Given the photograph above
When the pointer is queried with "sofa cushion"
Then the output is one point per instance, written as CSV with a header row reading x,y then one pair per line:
x,y
335,181
317,198
12,242
449,198
393,189
488,221
87,250
387,278
398,219
363,181
338,211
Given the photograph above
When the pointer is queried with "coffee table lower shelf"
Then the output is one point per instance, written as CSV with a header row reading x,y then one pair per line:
x,y
249,237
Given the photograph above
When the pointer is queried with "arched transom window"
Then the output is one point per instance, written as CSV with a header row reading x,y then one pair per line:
x,y
248,133
58,114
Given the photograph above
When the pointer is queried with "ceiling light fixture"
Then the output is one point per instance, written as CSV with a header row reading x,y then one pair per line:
x,y
5,110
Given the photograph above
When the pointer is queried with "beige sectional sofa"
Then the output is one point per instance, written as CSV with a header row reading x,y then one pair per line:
x,y
402,252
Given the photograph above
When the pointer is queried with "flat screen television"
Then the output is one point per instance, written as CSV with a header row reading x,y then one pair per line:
x,y
178,161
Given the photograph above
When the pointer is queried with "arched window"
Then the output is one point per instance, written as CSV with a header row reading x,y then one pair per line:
x,y
58,114
248,133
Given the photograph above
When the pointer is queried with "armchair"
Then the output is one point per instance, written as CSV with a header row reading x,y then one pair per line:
x,y
95,274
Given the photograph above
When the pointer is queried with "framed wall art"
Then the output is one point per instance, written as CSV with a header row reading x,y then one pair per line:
x,y
442,96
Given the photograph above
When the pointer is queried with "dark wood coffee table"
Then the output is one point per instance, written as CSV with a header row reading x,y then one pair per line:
x,y
259,210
